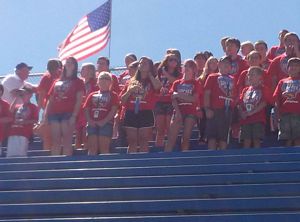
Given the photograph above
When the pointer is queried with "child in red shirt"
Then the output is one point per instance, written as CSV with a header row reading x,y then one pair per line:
x,y
262,48
25,116
54,70
5,116
278,49
185,96
169,71
252,104
287,102
278,67
88,73
100,108
139,97
218,104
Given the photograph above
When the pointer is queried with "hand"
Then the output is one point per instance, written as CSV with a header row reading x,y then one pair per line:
x,y
209,113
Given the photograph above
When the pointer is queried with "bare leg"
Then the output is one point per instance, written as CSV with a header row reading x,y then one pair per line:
x,y
212,144
67,134
56,134
132,139
187,132
92,145
247,143
160,130
144,136
173,134
104,144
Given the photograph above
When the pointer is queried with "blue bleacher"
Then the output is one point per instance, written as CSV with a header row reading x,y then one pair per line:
x,y
236,185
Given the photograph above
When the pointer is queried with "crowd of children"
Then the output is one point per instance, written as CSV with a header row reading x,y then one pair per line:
x,y
230,97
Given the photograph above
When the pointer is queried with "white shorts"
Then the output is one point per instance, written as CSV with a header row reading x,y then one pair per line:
x,y
17,146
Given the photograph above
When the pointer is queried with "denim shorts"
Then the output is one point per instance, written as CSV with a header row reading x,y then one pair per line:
x,y
106,130
59,117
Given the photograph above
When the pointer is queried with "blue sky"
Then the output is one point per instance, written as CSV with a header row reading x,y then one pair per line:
x,y
32,29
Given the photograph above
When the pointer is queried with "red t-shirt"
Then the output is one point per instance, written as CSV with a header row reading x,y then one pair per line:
x,y
243,81
275,51
46,83
221,90
64,95
266,64
24,112
189,87
278,68
287,94
147,95
100,104
4,112
250,98
164,94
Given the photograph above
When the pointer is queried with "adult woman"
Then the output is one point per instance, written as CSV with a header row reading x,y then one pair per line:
x,y
168,72
139,100
65,97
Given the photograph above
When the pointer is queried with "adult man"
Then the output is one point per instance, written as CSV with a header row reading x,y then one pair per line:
x,y
13,82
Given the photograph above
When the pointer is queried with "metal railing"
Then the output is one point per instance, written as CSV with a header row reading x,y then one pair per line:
x,y
34,78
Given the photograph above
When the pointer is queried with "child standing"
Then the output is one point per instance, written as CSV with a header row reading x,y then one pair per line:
x,y
287,101
25,115
252,104
5,116
218,103
88,73
100,108
185,97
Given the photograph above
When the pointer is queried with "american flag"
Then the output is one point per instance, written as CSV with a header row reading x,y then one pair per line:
x,y
90,35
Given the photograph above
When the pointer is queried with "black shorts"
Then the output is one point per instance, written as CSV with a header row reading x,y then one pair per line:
x,y
143,119
218,126
163,108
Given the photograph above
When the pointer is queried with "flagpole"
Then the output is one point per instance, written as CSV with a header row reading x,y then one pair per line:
x,y
110,29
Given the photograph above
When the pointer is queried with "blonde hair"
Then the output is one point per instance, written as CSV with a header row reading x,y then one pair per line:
x,y
206,70
104,75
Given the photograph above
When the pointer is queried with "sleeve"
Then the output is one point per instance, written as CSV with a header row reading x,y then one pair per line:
x,y
273,69
208,83
115,84
87,101
124,90
51,90
43,84
174,87
277,92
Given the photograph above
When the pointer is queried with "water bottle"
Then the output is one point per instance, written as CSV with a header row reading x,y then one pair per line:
x,y
137,105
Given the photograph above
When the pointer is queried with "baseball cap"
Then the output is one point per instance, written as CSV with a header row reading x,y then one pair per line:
x,y
22,65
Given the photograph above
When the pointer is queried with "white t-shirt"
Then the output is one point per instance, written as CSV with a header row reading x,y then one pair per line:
x,y
10,83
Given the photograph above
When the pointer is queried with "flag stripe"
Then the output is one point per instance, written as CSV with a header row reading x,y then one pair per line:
x,y
89,36
88,40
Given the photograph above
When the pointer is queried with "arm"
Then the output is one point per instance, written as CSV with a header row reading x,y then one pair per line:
x,y
257,109
79,96
207,103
